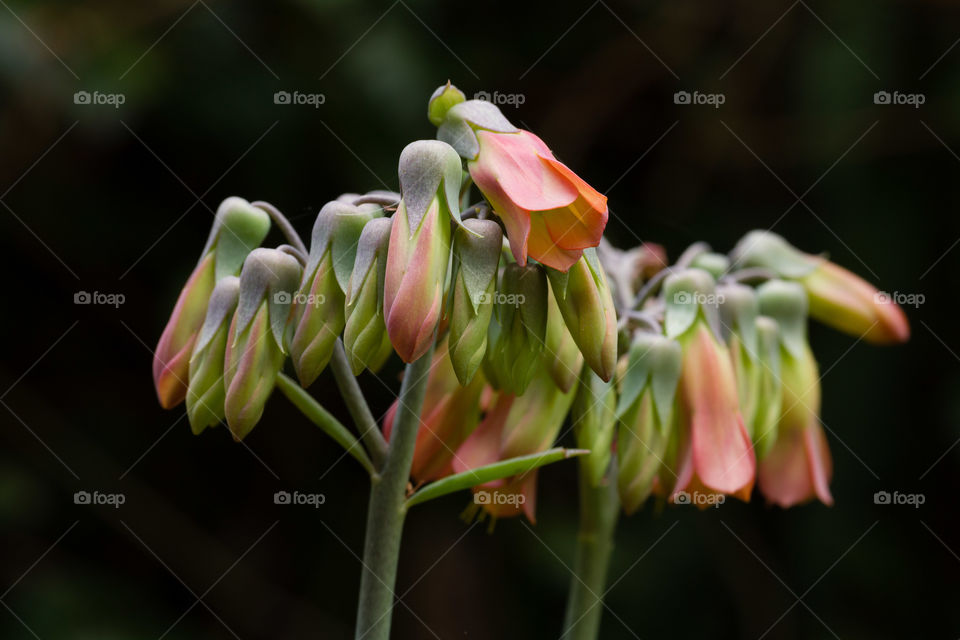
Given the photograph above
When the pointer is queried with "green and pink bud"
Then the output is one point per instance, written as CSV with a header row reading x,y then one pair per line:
x,y
365,333
798,466
318,306
206,392
717,454
586,304
518,328
738,316
237,229
476,254
766,418
419,252
647,384
551,214
837,297
561,354
255,351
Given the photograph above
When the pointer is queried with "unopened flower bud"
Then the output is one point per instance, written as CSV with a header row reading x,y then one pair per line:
x,y
442,99
476,249
206,392
838,297
585,302
430,174
238,227
769,404
645,412
255,351
738,317
561,354
716,264
365,333
318,309
518,328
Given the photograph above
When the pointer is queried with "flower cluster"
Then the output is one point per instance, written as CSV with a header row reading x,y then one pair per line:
x,y
698,379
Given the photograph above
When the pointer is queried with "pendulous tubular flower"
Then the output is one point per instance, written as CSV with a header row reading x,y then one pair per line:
x,y
318,307
206,393
766,417
419,252
738,320
518,328
476,254
365,333
717,454
645,413
550,213
594,421
798,466
237,229
837,297
561,354
586,304
255,350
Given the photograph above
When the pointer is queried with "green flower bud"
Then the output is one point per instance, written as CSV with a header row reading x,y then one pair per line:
x,y
255,351
585,302
365,333
786,303
206,392
440,102
769,389
690,295
738,317
318,311
645,410
518,328
561,354
594,424
716,264
476,250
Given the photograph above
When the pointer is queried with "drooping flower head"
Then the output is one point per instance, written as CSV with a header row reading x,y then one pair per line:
x,y
798,466
837,297
551,214
717,454
237,229
419,251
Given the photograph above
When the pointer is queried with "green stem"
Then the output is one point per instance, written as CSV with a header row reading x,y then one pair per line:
x,y
319,416
387,509
357,405
599,510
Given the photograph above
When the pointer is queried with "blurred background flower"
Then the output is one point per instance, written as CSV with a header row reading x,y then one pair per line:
x,y
124,125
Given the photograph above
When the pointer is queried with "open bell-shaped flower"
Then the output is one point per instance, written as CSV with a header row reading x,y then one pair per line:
x,y
551,214
798,466
365,333
255,351
206,392
419,251
586,304
476,250
318,306
518,328
237,229
717,455
645,413
837,297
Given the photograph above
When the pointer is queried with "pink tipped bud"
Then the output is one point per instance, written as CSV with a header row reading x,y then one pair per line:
x,y
419,249
255,350
838,297
365,332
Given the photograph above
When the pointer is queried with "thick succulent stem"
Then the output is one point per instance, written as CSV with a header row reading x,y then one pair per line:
x,y
387,510
599,511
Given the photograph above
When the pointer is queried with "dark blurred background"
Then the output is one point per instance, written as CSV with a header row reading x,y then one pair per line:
x,y
118,198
